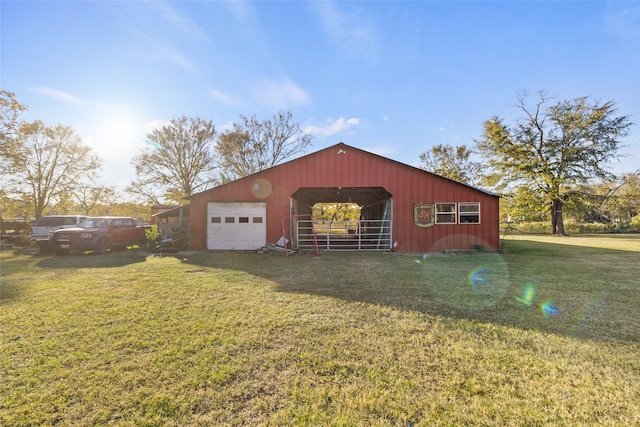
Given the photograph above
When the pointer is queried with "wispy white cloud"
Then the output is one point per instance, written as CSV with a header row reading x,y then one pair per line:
x,y
175,57
447,125
153,20
332,127
180,22
624,23
225,98
281,93
157,27
241,10
349,30
56,94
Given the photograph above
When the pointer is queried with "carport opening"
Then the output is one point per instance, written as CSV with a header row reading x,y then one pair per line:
x,y
353,218
337,211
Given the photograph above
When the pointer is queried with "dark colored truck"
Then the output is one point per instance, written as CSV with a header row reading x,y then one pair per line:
x,y
99,234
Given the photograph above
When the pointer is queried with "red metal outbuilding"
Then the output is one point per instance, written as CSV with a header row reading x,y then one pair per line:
x,y
403,208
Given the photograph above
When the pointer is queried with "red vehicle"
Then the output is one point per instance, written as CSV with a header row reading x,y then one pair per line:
x,y
99,234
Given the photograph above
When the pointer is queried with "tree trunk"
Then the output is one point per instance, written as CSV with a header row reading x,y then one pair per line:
x,y
38,207
557,225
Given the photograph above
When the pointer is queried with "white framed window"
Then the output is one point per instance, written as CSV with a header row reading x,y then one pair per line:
x,y
469,213
445,213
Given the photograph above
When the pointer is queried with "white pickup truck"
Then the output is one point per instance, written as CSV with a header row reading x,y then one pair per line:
x,y
43,227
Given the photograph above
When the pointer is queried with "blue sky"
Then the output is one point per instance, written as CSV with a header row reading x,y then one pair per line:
x,y
394,78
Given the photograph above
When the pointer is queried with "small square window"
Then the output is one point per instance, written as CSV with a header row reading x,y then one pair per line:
x,y
469,213
445,213
229,219
243,220
216,220
257,220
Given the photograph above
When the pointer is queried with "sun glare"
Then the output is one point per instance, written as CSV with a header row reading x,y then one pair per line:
x,y
116,133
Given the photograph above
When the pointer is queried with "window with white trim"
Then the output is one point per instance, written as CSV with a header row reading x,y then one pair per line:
x,y
469,213
445,213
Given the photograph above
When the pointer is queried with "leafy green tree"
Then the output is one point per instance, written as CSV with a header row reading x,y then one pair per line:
x,y
612,201
591,203
90,199
552,148
452,162
136,210
65,204
10,109
254,145
45,163
14,207
629,193
616,200
178,161
336,211
522,205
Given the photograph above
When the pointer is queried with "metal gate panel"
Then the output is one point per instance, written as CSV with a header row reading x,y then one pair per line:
x,y
364,235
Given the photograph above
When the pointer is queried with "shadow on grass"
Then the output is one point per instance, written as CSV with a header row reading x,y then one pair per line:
x,y
113,258
15,264
554,288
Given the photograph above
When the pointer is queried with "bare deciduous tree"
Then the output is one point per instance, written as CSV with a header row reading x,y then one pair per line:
x,y
179,161
45,163
253,145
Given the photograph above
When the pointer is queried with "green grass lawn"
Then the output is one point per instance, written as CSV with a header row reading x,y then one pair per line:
x,y
547,333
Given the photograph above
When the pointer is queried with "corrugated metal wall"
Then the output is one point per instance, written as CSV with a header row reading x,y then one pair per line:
x,y
345,166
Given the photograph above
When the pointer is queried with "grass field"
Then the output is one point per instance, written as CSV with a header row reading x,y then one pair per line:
x,y
547,333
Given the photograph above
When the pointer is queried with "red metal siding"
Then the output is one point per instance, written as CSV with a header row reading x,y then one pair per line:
x,y
357,168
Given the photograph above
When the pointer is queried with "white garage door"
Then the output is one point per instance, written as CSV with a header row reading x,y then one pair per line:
x,y
236,225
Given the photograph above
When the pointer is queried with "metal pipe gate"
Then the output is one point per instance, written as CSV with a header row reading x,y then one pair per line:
x,y
363,235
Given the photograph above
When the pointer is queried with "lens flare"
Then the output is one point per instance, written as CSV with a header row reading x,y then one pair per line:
x,y
261,188
549,309
528,293
468,282
478,279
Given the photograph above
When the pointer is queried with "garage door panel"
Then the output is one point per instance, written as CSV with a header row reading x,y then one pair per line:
x,y
236,225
